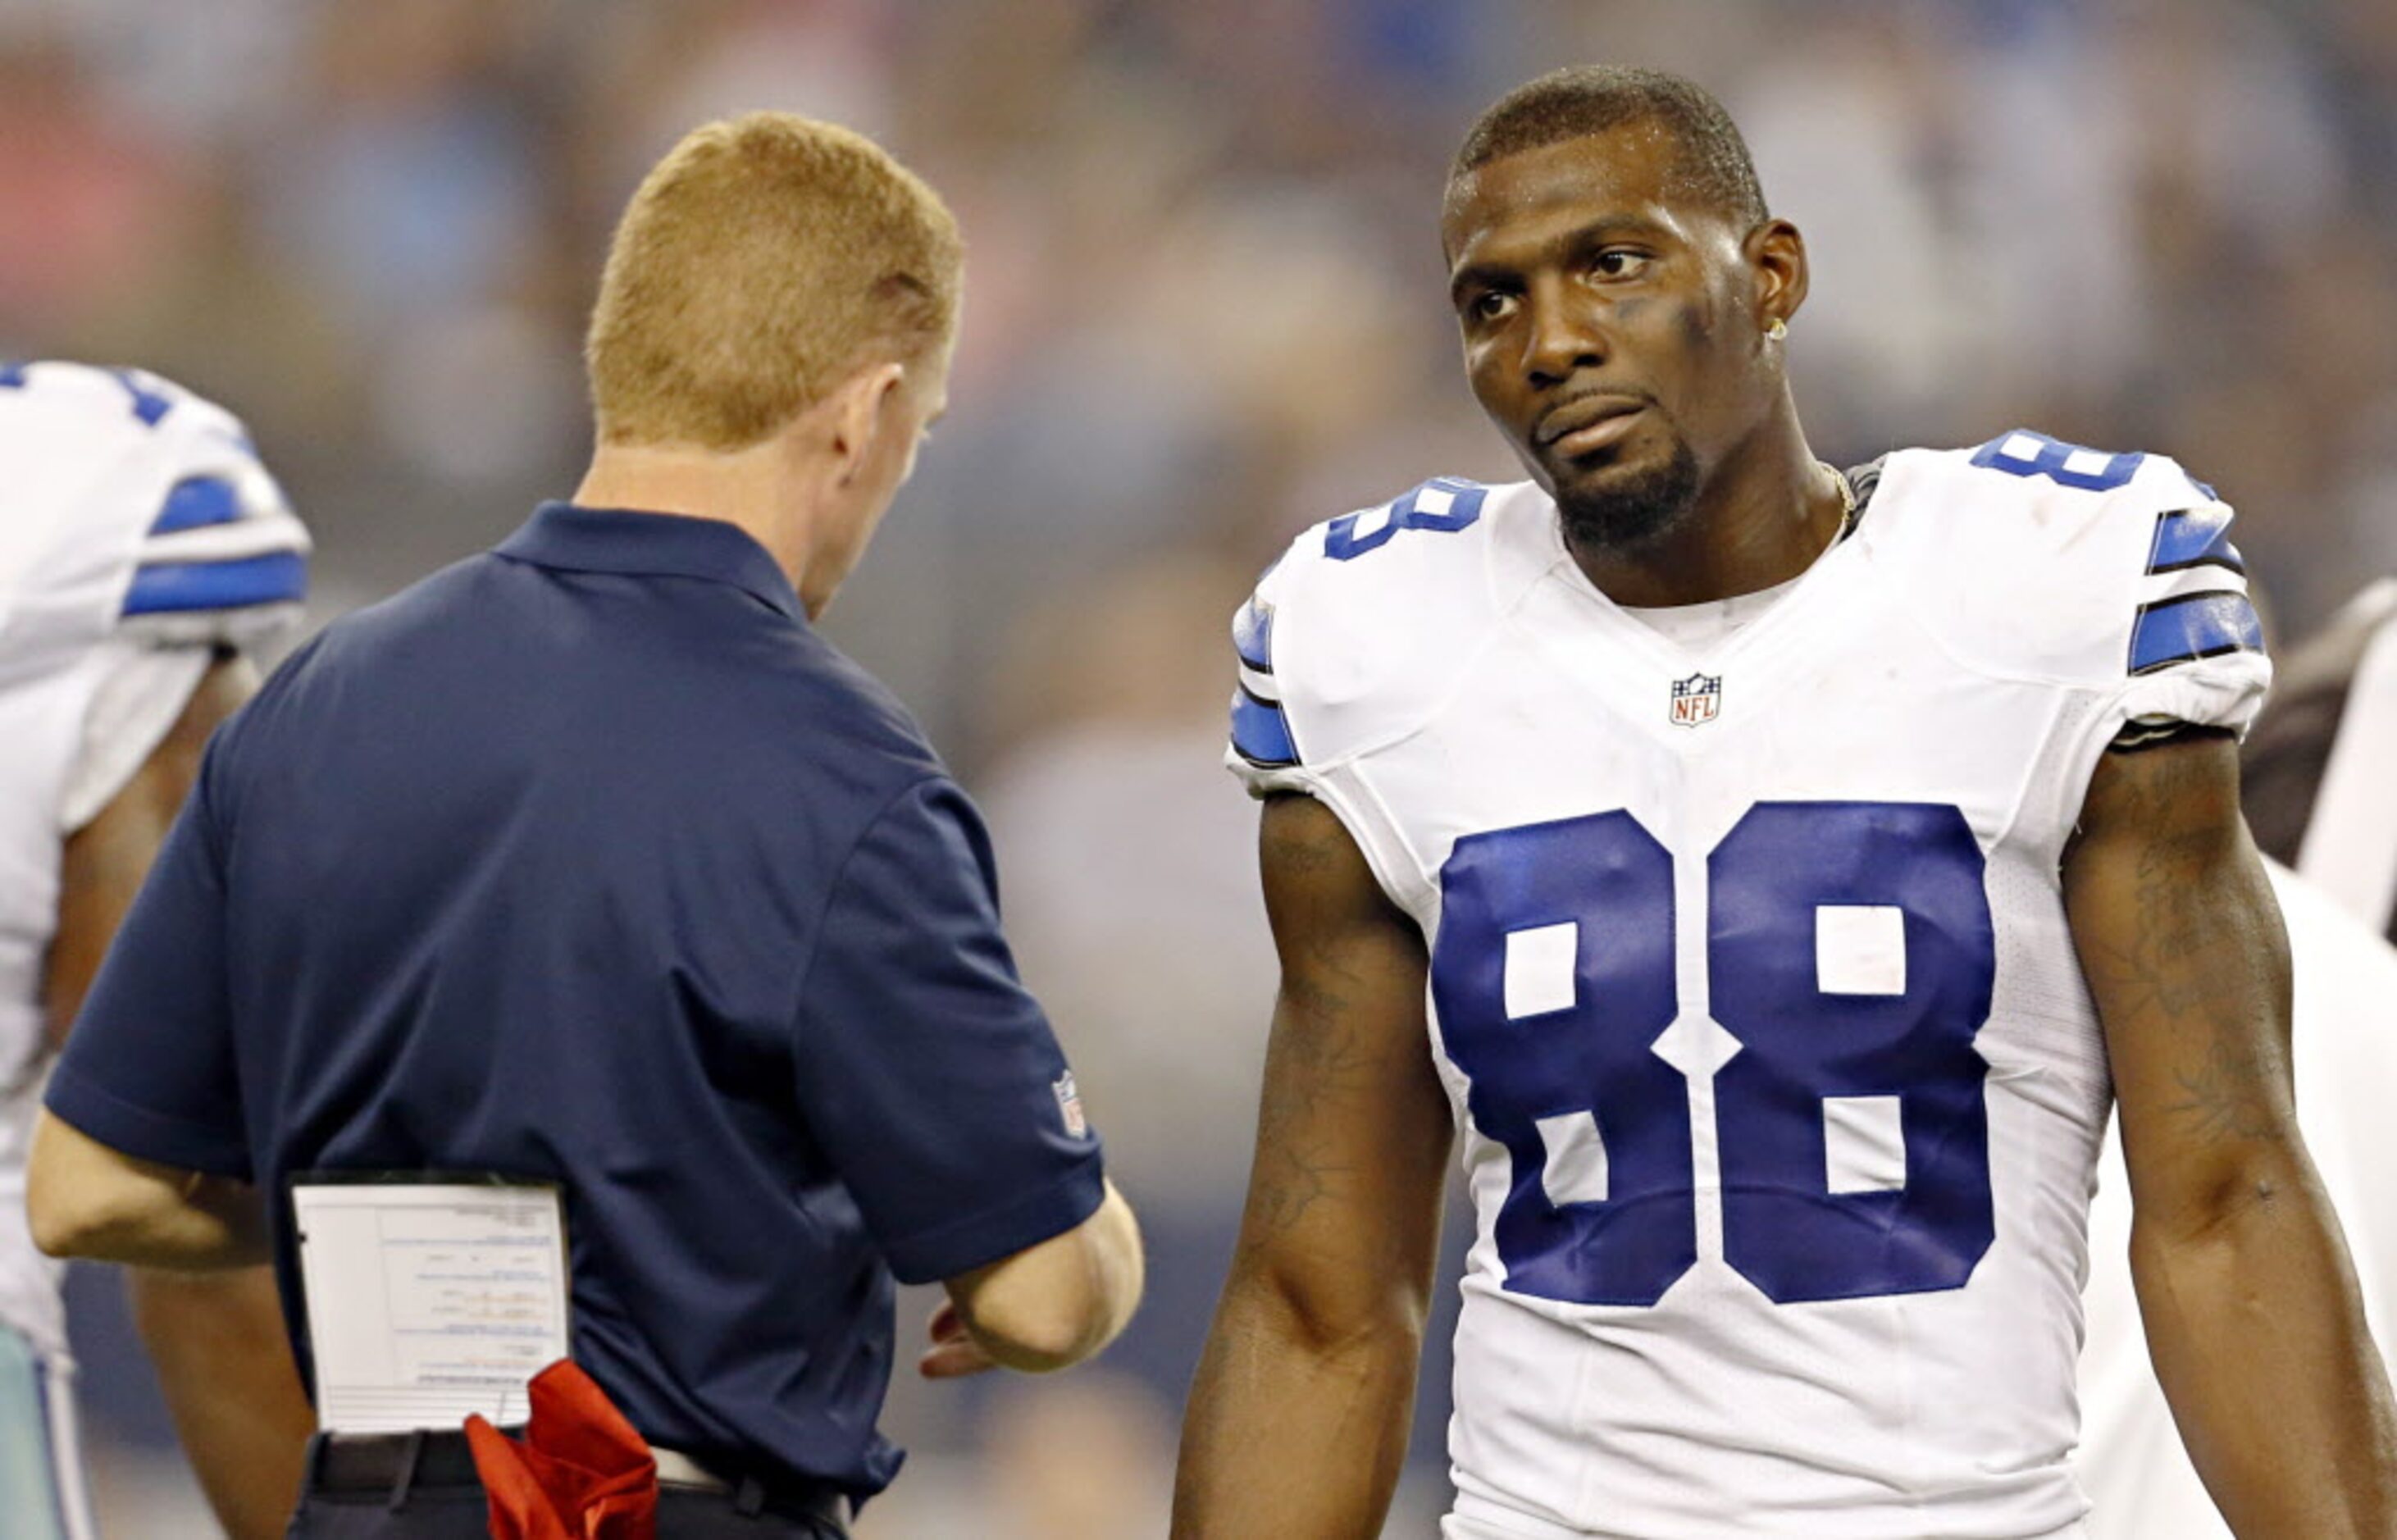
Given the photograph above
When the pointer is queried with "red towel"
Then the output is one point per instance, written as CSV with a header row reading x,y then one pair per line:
x,y
579,1472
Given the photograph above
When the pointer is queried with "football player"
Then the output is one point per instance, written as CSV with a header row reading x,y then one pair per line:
x,y
2321,768
1773,874
2319,784
143,549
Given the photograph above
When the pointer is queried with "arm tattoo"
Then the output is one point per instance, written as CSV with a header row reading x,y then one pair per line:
x,y
2188,963
1316,1060
1323,1057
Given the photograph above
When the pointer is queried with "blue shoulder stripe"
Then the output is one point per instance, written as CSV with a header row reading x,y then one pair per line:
x,y
1261,732
2195,625
1253,635
197,501
2192,537
169,587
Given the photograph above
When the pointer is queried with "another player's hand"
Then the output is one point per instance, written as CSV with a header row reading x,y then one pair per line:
x,y
954,1352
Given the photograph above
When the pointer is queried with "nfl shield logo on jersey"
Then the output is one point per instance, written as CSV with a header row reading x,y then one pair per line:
x,y
1696,699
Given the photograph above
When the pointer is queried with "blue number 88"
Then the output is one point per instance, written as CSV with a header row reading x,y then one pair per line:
x,y
1794,891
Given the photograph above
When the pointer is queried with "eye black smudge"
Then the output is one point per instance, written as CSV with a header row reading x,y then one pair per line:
x,y
1695,322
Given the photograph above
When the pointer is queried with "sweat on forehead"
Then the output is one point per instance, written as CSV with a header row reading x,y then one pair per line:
x,y
1712,166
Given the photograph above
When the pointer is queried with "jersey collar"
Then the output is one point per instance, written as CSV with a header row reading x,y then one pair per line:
x,y
622,539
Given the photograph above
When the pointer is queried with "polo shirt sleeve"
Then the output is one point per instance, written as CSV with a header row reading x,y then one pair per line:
x,y
927,1072
149,1068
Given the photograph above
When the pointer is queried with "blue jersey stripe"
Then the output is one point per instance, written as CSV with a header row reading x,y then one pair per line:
x,y
2192,537
2196,625
1261,732
168,587
196,502
1253,635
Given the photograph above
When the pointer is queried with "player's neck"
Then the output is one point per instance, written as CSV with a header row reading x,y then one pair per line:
x,y
1762,518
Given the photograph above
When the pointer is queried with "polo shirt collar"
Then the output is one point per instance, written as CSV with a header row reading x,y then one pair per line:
x,y
623,540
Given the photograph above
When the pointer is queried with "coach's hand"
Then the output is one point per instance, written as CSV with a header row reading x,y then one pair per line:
x,y
953,1353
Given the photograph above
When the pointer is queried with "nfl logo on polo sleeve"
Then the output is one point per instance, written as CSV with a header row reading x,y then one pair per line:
x,y
1069,1106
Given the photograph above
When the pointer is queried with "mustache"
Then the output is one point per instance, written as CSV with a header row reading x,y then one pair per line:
x,y
1572,413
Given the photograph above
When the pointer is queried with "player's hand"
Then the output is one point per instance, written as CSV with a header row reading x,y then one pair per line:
x,y
954,1352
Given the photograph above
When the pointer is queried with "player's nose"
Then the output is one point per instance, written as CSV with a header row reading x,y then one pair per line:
x,y
1560,339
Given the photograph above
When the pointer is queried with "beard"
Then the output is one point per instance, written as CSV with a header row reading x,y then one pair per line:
x,y
1629,510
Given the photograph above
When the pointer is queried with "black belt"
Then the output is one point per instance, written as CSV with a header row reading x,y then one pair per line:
x,y
393,1462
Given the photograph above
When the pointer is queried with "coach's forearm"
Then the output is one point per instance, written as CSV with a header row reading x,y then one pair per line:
x,y
1292,1432
85,1199
2257,1332
1053,1304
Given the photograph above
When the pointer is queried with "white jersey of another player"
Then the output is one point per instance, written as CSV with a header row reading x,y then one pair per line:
x,y
1751,986
139,536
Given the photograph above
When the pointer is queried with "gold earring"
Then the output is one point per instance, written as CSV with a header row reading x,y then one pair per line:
x,y
1778,331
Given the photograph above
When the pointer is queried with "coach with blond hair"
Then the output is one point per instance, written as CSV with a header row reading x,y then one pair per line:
x,y
587,868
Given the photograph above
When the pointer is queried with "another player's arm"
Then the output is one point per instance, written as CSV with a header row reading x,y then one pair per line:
x,y
1297,1422
2250,1307
83,1198
1048,1306
218,1340
224,1364
104,861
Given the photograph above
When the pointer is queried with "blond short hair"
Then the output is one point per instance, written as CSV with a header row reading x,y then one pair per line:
x,y
761,262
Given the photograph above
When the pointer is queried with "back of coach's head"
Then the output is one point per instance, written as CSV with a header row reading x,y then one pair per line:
x,y
763,262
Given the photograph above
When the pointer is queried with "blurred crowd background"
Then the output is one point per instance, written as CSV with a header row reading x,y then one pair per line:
x,y
1206,308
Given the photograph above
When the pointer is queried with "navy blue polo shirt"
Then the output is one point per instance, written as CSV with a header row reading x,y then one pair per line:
x,y
587,860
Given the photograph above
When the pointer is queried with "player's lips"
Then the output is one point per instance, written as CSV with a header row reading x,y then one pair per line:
x,y
1586,424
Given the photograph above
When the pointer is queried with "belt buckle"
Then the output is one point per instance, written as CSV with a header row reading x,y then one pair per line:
x,y
678,1469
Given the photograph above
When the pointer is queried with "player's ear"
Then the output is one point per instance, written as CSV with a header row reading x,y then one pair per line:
x,y
865,407
1776,261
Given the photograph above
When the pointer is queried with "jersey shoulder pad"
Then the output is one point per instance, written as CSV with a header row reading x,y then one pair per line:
x,y
2032,558
153,504
1356,633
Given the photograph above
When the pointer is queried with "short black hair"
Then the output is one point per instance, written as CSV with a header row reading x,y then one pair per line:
x,y
1591,99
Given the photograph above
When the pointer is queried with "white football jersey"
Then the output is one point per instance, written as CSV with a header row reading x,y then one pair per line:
x,y
138,534
1779,1083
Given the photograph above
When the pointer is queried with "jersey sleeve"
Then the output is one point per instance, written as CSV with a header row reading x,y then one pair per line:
x,y
1263,751
149,539
2114,575
223,561
2195,649
1358,633
221,567
927,1071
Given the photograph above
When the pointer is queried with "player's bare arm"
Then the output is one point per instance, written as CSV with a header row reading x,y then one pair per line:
x,y
2250,1304
1047,1308
83,1198
216,1340
1297,1421
224,1365
104,861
